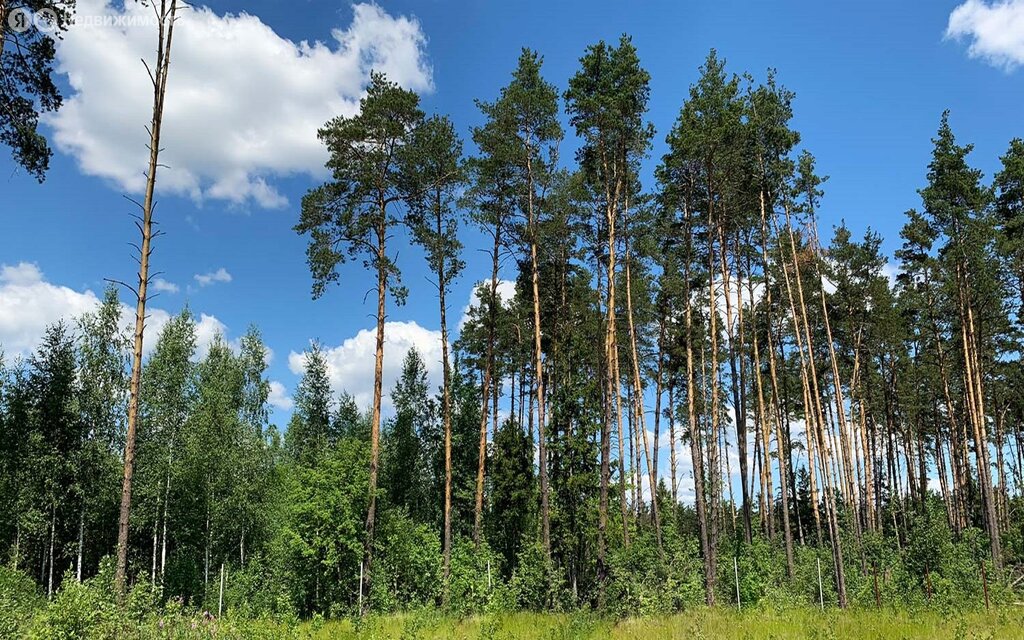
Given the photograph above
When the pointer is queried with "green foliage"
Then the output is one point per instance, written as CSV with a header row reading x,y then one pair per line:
x,y
408,575
472,578
645,581
19,600
28,90
309,430
536,584
761,567
324,513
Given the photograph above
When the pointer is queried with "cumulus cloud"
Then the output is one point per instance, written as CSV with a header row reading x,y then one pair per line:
x,y
350,365
163,286
29,303
506,291
891,272
279,397
223,138
995,31
206,279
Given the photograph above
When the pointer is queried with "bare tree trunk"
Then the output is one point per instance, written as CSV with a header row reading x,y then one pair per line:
x,y
830,503
638,395
736,386
673,455
442,284
785,468
156,543
538,358
713,464
167,500
697,457
809,413
837,384
617,404
166,17
378,385
206,551
606,437
976,400
488,373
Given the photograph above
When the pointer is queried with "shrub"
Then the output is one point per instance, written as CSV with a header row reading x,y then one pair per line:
x,y
19,600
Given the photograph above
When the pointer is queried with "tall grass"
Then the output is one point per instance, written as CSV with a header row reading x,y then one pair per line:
x,y
700,624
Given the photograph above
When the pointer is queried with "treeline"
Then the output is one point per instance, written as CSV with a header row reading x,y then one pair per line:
x,y
833,436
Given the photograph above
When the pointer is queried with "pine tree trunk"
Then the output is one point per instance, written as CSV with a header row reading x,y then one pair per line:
x,y
638,394
830,503
736,386
168,10
673,455
378,386
442,284
538,358
713,462
604,366
488,373
697,456
785,469
616,395
837,385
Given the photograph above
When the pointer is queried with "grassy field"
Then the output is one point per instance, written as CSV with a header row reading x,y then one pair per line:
x,y
710,624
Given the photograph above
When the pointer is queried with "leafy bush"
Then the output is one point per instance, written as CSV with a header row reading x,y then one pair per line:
x,y
408,573
80,610
644,580
19,600
474,570
257,591
535,584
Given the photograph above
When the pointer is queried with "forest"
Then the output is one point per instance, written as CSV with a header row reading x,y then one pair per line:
x,y
842,428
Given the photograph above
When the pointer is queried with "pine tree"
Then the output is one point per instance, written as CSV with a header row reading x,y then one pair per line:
x,y
353,215
433,177
28,89
607,102
524,123
166,16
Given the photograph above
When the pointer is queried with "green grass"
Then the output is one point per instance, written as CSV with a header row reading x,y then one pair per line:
x,y
710,624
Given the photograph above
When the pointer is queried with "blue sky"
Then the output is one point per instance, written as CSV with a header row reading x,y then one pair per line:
x,y
871,79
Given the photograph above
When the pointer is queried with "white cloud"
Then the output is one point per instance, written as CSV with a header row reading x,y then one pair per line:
x,y
891,272
995,30
506,291
279,396
206,279
350,365
243,103
207,329
29,303
163,286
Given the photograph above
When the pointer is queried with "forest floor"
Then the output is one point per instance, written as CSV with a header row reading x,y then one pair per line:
x,y
709,624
